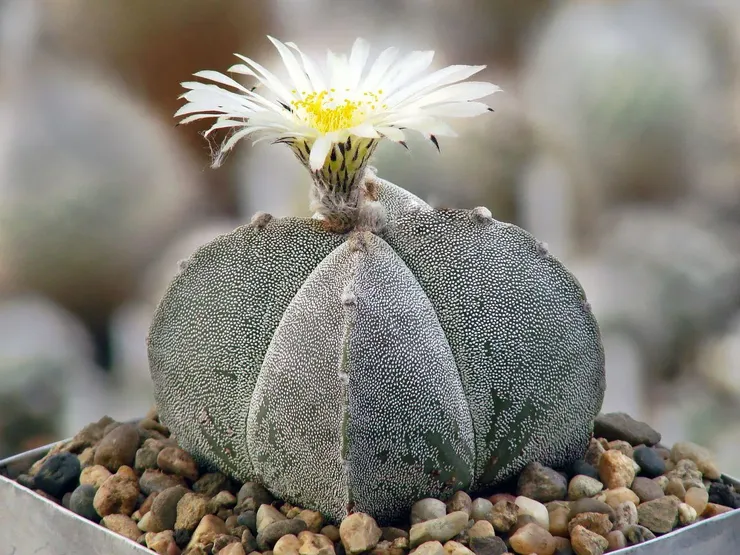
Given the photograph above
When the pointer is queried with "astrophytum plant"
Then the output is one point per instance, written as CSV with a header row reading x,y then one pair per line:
x,y
382,351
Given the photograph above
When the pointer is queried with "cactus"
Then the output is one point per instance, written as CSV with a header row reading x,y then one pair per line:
x,y
380,352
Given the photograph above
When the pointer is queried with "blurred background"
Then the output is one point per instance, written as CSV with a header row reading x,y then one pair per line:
x,y
616,141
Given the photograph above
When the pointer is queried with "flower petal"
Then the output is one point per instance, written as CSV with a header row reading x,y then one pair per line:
x,y
456,109
379,69
436,80
314,75
357,61
319,152
267,79
392,133
297,75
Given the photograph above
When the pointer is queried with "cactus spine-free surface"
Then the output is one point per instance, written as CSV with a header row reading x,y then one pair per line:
x,y
363,371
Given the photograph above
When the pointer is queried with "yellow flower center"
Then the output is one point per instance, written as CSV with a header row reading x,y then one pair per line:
x,y
322,112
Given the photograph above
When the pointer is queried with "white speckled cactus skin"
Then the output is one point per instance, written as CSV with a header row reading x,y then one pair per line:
x,y
361,372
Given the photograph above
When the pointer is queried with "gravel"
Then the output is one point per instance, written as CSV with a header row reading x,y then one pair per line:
x,y
136,481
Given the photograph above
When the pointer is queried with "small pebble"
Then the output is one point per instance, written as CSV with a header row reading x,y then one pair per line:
x,y
616,470
675,487
359,532
686,471
686,514
314,544
701,456
625,515
562,546
251,496
651,463
504,515
161,543
332,532
532,539
81,502
233,549
617,496
481,509
58,475
587,505
154,480
94,475
722,494
211,483
456,548
581,467
430,548
207,530
429,509
646,489
266,515
118,447
622,446
535,509
174,460
697,498
659,516
662,481
541,483
637,534
163,512
583,486
713,509
117,495
481,529
460,501
594,452
313,519
488,546
597,523
276,530
618,425
559,517
122,525
439,529
586,542
287,545
616,540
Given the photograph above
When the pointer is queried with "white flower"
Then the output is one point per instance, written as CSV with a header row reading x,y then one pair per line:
x,y
333,121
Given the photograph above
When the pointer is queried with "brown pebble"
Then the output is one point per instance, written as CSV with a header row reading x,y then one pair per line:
x,y
313,519
562,546
191,508
94,475
163,512
594,453
622,446
675,487
233,549
359,532
586,542
616,540
625,515
496,497
155,480
616,470
122,525
660,516
697,498
118,447
504,516
559,517
646,489
460,501
87,457
208,528
161,542
331,532
714,509
117,495
617,496
289,544
174,460
314,544
532,539
587,505
597,523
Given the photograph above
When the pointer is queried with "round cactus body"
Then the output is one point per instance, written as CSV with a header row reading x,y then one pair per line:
x,y
363,371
